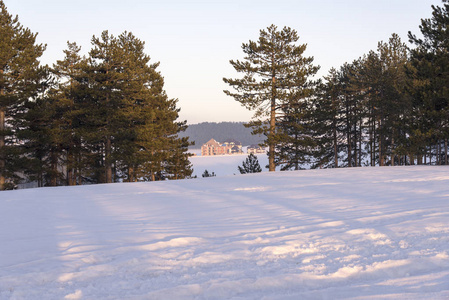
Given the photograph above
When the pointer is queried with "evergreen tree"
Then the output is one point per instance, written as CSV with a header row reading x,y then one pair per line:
x,y
383,77
134,122
68,96
327,120
430,72
361,109
274,70
104,74
21,79
207,174
394,104
250,165
154,127
43,139
351,112
297,138
50,137
178,165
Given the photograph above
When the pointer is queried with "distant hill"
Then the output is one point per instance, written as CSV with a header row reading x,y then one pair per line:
x,y
203,132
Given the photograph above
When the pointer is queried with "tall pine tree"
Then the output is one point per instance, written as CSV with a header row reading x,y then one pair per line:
x,y
274,69
131,124
430,60
21,79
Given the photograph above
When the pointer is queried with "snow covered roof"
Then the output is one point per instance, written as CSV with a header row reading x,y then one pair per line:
x,y
232,141
212,142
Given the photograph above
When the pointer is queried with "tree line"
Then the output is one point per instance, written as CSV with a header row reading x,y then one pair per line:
x,y
388,107
105,117
96,119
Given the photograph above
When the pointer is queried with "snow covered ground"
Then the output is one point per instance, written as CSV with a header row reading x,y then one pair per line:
x,y
364,233
223,165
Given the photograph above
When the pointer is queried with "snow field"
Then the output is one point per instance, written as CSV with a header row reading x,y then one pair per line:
x,y
223,165
361,233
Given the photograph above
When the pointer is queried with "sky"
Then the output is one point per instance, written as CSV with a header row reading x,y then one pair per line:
x,y
194,40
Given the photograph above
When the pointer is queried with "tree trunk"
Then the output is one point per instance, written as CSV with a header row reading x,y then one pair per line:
x,y
40,180
296,153
54,169
393,155
373,142
69,176
445,151
108,161
439,152
356,153
381,154
130,174
71,180
335,142
430,154
348,136
360,143
271,144
425,155
2,146
79,167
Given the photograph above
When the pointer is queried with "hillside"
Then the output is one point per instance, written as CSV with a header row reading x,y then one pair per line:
x,y
355,233
203,132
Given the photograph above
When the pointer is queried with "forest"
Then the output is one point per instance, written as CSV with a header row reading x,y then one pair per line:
x,y
388,107
106,117
97,119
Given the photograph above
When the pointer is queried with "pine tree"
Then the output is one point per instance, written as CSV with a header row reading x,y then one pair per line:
x,y
274,69
250,165
68,96
21,79
134,123
327,121
207,174
42,138
50,137
394,104
352,112
430,64
297,137
155,151
104,74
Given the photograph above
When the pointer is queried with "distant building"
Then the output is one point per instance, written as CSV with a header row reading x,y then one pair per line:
x,y
235,147
255,149
212,147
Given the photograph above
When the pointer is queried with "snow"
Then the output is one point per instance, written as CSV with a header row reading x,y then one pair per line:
x,y
360,233
223,165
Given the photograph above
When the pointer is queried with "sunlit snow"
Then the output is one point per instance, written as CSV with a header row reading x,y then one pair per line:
x,y
360,233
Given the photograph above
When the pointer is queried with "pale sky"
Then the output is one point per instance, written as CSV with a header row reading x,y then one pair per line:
x,y
194,40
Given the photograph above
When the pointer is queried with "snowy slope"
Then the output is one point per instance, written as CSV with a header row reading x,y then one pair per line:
x,y
364,233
